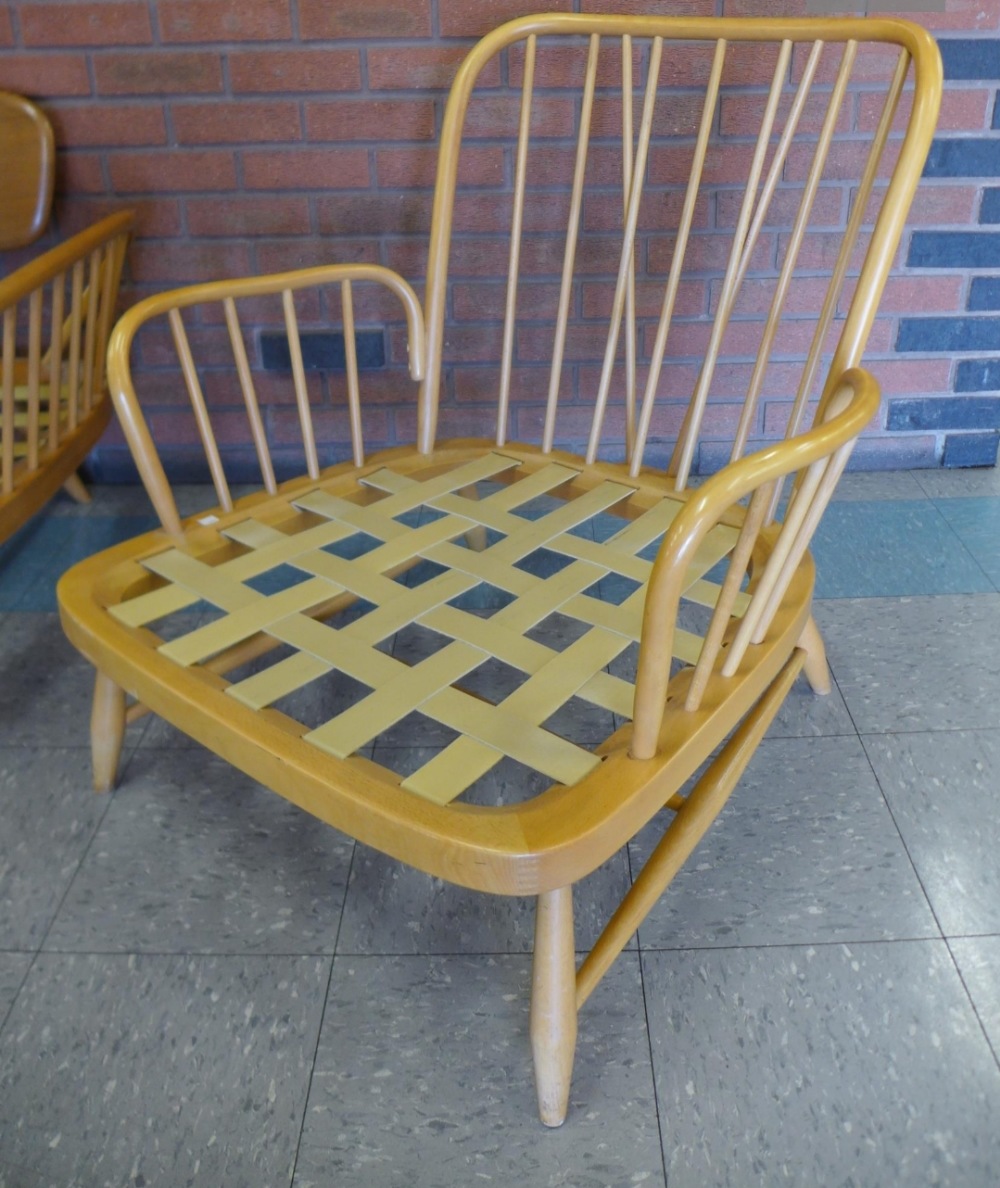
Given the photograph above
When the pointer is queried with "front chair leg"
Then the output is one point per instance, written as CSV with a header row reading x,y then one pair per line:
x,y
107,731
553,1003
816,668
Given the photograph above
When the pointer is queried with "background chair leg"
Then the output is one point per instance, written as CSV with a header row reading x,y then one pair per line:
x,y
107,731
816,668
553,1003
75,489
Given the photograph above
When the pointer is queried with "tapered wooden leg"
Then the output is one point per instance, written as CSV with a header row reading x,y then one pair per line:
x,y
816,668
75,489
553,1004
107,731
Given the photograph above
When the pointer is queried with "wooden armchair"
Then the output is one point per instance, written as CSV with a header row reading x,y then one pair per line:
x,y
538,592
57,315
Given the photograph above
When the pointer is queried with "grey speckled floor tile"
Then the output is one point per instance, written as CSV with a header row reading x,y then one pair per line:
x,y
194,857
804,851
872,549
805,714
978,960
48,815
13,967
821,1066
916,663
942,789
878,484
46,686
947,484
160,1071
423,1079
392,908
977,524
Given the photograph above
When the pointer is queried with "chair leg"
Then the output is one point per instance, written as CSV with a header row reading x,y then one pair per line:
x,y
107,731
75,489
816,668
553,1004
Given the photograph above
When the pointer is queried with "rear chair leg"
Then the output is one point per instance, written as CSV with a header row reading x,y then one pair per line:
x,y
816,668
553,1003
107,731
75,489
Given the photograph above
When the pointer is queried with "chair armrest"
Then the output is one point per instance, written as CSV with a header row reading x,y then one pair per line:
x,y
817,459
123,391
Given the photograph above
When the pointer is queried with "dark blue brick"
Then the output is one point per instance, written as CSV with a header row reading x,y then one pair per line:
x,y
948,412
985,293
954,249
970,449
996,112
978,375
989,210
968,58
948,334
959,157
322,350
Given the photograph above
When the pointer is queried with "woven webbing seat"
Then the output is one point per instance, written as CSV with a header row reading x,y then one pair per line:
x,y
382,640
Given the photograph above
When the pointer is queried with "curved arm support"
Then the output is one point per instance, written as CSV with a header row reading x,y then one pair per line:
x,y
123,392
855,402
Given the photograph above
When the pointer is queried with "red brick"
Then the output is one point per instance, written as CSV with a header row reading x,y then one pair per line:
x,y
675,115
486,301
690,302
158,218
829,208
805,294
471,421
649,8
920,294
935,204
120,22
421,68
543,255
331,425
671,164
407,168
239,216
289,254
79,173
44,76
543,212
961,110
741,115
224,20
236,123
659,210
565,65
189,261
707,253
265,311
904,377
257,72
498,117
374,214
210,347
165,72
875,62
473,18
102,124
328,19
306,169
6,28
365,119
172,170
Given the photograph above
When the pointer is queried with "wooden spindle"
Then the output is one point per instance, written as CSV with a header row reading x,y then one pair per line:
x,y
299,378
249,395
353,391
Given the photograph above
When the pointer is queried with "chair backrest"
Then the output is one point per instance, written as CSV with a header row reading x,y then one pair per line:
x,y
28,164
667,244
57,314
695,217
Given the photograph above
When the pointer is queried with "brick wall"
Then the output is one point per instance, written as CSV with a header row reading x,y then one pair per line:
x,y
258,135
